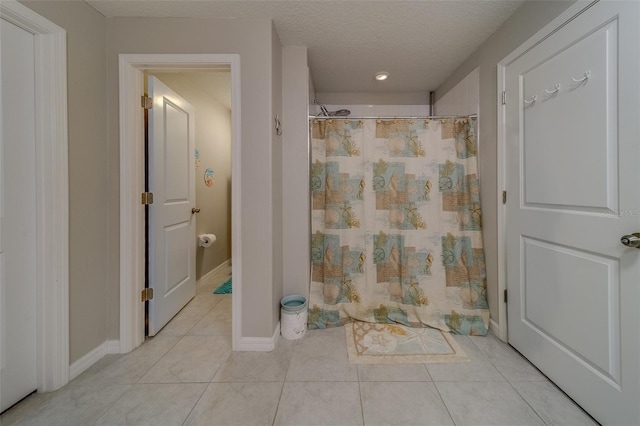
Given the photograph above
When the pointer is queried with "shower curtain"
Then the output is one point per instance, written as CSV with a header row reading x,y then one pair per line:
x,y
396,225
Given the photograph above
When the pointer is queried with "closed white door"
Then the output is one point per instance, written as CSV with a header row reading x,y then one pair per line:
x,y
573,180
17,216
172,238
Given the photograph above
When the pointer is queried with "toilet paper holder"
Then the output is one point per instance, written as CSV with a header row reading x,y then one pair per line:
x,y
206,240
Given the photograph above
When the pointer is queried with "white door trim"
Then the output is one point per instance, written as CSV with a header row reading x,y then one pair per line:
x,y
52,195
131,68
568,15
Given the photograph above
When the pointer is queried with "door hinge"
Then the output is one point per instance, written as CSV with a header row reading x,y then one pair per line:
x,y
504,197
147,198
147,102
504,97
147,294
505,296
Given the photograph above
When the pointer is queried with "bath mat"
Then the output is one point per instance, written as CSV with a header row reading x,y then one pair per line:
x,y
372,343
223,288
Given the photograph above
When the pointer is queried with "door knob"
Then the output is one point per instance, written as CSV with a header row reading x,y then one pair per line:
x,y
632,240
194,210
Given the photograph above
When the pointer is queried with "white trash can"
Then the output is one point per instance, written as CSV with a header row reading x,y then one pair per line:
x,y
293,316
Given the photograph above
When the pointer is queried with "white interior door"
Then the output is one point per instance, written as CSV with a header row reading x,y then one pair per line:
x,y
17,216
172,238
573,179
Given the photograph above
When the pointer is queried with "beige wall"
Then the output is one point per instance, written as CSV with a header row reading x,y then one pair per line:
x,y
461,99
89,203
295,171
276,177
363,98
213,142
524,23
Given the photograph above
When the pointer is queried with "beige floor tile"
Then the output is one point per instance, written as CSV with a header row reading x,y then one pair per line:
x,y
479,368
486,403
69,406
257,366
184,320
128,369
393,373
194,359
321,355
506,360
217,322
415,403
154,404
552,405
244,404
319,403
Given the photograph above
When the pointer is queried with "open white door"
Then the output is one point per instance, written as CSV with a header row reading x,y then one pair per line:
x,y
172,236
573,179
18,315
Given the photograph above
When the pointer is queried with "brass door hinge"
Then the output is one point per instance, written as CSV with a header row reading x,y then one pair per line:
x,y
146,101
147,294
147,198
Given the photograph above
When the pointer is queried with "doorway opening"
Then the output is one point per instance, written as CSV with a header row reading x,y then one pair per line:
x,y
132,218
207,94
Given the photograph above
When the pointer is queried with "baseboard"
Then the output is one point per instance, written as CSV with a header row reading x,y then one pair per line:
x,y
113,346
206,278
259,344
494,327
93,356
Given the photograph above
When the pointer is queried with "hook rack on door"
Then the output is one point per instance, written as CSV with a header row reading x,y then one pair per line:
x,y
556,88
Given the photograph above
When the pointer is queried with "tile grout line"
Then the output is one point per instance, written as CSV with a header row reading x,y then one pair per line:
x,y
275,414
527,402
194,405
435,385
284,381
360,394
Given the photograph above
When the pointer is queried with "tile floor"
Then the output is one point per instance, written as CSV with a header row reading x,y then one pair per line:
x,y
188,375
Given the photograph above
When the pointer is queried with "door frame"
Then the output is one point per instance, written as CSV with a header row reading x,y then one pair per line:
x,y
568,15
52,194
132,242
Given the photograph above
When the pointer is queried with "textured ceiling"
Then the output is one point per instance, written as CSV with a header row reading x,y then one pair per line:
x,y
420,43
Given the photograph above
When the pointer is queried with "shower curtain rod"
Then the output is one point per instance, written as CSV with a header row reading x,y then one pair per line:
x,y
428,117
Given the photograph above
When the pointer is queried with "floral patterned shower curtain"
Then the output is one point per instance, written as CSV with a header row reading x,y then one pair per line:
x,y
396,225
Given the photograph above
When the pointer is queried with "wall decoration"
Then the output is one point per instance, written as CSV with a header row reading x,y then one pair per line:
x,y
197,155
209,175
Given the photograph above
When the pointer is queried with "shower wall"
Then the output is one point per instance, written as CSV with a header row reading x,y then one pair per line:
x,y
379,110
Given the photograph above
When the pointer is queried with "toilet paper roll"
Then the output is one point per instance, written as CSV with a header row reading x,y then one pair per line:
x,y
206,240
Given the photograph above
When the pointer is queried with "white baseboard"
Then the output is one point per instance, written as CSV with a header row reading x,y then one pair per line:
x,y
113,346
494,327
93,356
259,344
206,278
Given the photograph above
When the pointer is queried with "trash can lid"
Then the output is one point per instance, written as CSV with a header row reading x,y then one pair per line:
x,y
293,302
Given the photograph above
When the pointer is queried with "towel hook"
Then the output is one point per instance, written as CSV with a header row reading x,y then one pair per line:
x,y
533,99
555,89
585,77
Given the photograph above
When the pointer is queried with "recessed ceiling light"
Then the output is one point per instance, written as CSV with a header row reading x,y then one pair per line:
x,y
382,75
